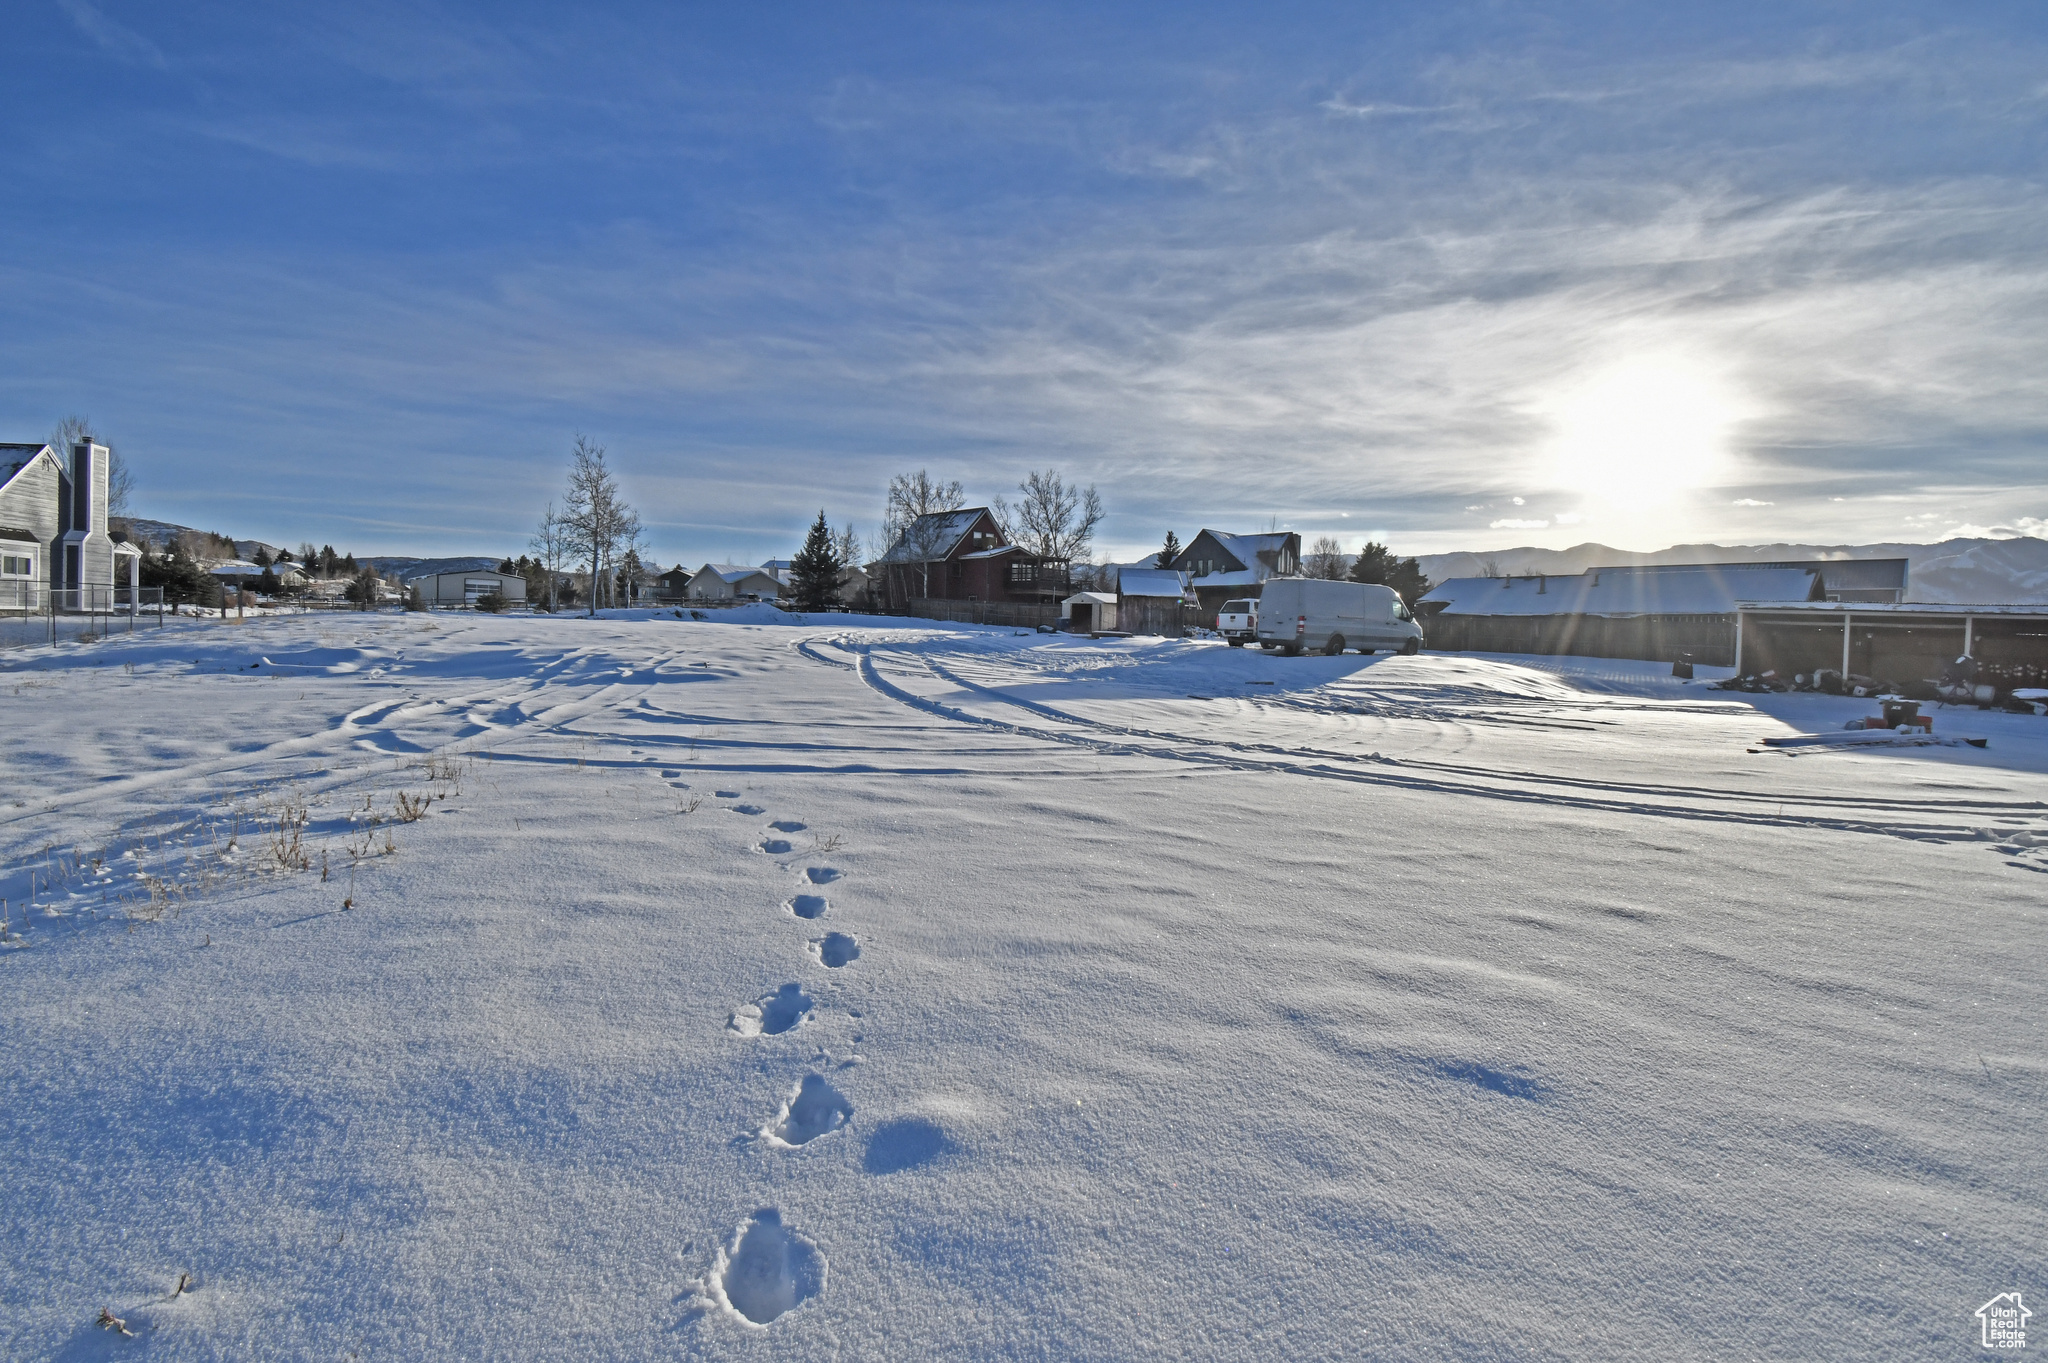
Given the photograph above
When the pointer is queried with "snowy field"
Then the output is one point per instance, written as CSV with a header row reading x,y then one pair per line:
x,y
516,988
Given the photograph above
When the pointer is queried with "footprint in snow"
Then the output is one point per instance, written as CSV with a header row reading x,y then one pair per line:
x,y
769,1270
670,773
820,875
813,1109
772,1014
777,847
808,906
836,949
728,794
744,809
787,826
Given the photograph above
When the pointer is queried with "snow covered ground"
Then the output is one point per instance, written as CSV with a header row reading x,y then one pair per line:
x,y
469,987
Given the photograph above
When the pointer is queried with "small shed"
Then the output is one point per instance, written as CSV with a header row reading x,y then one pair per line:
x,y
468,588
1155,601
1087,612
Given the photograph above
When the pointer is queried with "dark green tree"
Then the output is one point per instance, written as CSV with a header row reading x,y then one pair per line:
x,y
1377,563
267,584
1171,552
366,589
185,583
814,573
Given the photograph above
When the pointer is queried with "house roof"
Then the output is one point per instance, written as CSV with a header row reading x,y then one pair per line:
x,y
736,572
15,532
996,552
1151,582
1246,550
1697,589
15,457
1099,598
933,537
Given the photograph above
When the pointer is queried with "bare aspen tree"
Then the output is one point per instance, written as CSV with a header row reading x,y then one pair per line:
x,y
915,540
120,480
550,543
1056,519
1325,558
600,526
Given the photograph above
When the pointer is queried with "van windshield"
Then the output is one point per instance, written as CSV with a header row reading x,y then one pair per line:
x,y
1237,608
1401,611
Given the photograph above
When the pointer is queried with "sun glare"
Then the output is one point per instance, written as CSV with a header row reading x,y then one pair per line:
x,y
1641,432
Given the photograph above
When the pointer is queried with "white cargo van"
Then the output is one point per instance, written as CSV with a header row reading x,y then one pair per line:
x,y
1297,613
1238,621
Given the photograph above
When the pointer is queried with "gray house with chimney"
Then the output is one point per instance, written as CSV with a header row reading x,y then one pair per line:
x,y
55,552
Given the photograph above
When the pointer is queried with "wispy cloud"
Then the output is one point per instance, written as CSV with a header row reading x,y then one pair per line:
x,y
114,38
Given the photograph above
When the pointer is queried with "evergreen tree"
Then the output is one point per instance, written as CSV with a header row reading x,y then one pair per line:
x,y
1377,563
366,589
508,566
815,571
1171,551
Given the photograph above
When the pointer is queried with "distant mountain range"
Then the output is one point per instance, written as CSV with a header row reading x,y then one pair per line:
x,y
1956,572
406,569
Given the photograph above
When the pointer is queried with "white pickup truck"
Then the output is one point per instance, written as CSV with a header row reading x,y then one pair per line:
x,y
1238,621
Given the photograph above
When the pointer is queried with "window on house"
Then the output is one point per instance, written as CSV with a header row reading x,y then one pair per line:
x,y
17,565
1023,574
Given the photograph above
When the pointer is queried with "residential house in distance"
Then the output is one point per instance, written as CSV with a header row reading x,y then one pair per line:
x,y
53,531
963,556
673,585
733,582
1222,567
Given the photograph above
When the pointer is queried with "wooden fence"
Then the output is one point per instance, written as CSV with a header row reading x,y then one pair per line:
x,y
1707,639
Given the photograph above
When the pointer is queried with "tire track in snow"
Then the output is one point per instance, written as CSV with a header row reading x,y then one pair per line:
x,y
1514,787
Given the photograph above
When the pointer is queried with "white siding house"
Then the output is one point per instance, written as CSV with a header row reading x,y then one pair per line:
x,y
53,529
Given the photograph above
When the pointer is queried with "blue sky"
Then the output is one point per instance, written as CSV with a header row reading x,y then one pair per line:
x,y
1453,276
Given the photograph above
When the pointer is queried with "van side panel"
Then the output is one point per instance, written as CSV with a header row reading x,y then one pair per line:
x,y
1362,612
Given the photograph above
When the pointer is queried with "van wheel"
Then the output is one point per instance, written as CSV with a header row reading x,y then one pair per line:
x,y
1236,643
1411,648
1333,646
1291,650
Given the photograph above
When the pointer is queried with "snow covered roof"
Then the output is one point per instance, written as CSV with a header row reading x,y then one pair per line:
x,y
932,537
996,552
16,457
236,567
1151,582
13,532
1246,550
1099,598
1833,610
1706,589
735,572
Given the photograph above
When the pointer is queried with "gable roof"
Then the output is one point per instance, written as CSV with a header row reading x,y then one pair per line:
x,y
1681,589
16,457
736,572
1246,551
1151,582
933,537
